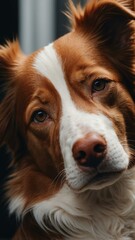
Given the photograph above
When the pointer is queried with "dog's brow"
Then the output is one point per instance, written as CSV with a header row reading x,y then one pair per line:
x,y
40,99
48,64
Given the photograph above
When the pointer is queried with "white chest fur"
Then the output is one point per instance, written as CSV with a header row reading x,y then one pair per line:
x,y
108,214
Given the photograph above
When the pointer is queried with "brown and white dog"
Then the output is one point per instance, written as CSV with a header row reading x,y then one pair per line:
x,y
67,113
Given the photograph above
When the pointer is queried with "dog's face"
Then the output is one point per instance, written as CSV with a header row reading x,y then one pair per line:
x,y
69,107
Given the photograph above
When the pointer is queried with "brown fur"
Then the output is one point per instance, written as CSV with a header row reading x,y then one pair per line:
x,y
103,39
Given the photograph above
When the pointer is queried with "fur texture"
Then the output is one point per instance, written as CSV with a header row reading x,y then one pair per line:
x,y
67,114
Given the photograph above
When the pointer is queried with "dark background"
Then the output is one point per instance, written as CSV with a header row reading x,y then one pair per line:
x,y
8,30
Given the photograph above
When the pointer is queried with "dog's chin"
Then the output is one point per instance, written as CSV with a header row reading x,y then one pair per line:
x,y
102,180
99,181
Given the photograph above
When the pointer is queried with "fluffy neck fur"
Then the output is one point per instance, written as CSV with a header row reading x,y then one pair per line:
x,y
95,215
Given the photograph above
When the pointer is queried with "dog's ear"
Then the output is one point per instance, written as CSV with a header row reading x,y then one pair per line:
x,y
10,56
111,26
106,20
128,4
97,12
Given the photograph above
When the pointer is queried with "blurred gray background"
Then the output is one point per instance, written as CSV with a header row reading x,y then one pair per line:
x,y
41,22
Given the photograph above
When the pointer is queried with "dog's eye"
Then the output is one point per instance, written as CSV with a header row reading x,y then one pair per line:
x,y
39,116
99,84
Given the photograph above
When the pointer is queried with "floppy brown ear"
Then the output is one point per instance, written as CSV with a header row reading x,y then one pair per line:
x,y
9,58
111,26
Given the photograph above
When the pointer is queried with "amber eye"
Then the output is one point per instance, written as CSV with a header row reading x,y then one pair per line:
x,y
99,84
39,116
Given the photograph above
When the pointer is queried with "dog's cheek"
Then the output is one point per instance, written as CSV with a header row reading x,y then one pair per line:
x,y
108,98
44,153
124,118
36,149
119,126
126,106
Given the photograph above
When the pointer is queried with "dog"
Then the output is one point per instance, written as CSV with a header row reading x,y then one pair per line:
x,y
67,114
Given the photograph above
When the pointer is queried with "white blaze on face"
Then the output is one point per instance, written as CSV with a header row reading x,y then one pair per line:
x,y
75,124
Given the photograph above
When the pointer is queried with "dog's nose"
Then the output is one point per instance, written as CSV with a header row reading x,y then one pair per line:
x,y
90,150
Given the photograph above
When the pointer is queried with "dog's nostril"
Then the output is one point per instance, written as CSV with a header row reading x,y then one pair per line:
x,y
99,148
80,155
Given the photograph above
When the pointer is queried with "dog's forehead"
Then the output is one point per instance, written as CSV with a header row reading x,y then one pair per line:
x,y
48,63
64,57
68,60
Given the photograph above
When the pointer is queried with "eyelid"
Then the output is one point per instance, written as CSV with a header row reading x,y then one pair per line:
x,y
92,77
108,80
102,78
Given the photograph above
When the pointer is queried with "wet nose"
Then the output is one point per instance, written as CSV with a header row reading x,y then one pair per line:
x,y
90,150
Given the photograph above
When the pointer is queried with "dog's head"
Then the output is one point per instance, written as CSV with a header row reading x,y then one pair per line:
x,y
68,109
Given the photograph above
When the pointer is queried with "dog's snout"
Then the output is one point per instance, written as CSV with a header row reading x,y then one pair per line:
x,y
90,150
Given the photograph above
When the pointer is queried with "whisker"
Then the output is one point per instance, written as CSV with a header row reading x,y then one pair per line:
x,y
55,181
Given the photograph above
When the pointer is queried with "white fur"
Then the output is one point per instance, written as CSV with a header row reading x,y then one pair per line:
x,y
107,214
16,205
75,124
